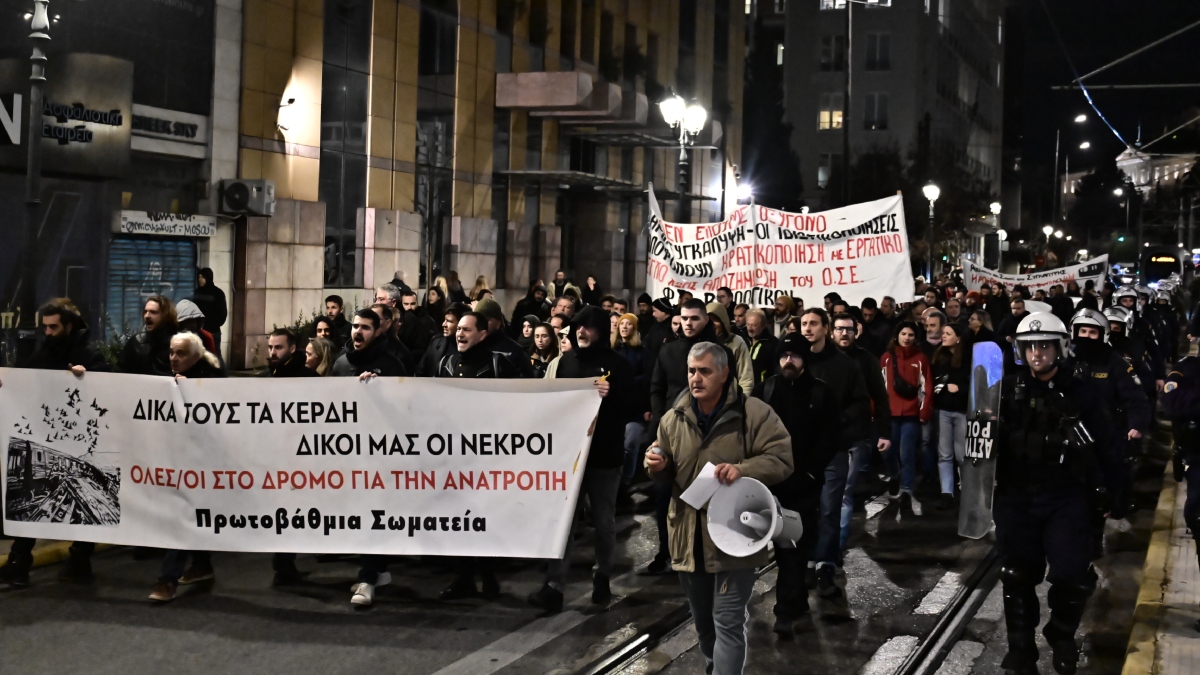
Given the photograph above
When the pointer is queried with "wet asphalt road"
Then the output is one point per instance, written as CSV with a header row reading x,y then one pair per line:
x,y
243,625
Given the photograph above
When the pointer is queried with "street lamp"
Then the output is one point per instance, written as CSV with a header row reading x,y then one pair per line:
x,y
689,119
1085,145
931,192
1058,234
1119,192
1080,119
1048,230
745,191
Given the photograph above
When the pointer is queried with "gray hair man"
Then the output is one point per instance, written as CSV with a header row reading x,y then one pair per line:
x,y
743,437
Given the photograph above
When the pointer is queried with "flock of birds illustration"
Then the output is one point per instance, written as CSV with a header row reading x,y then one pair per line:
x,y
64,426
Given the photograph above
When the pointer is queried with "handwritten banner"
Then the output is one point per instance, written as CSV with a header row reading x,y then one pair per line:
x,y
1095,270
390,466
858,251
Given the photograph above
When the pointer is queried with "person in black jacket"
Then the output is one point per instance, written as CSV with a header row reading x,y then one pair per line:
x,y
658,329
368,353
148,352
849,386
846,330
389,329
592,356
951,366
189,360
212,303
809,410
442,345
534,303
65,348
762,345
627,342
416,328
498,342
335,312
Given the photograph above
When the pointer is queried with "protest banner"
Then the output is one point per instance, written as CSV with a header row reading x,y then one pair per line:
x,y
1095,270
388,466
858,251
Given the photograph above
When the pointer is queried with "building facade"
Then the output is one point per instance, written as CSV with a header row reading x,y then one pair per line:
x,y
497,138
926,79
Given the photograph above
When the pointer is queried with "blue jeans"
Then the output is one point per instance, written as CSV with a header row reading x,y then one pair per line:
x,y
902,457
828,548
929,446
175,564
860,455
718,602
952,444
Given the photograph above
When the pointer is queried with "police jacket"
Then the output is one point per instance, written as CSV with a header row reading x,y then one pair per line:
x,y
1144,332
376,358
1039,448
72,350
1181,404
147,353
810,414
1135,352
849,388
1117,385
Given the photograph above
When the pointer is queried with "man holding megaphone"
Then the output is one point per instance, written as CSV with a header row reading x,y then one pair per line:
x,y
713,421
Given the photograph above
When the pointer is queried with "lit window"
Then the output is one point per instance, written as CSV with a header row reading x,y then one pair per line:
x,y
831,111
779,54
749,7
833,4
1000,30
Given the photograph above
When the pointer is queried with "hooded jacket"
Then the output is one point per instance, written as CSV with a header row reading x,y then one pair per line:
x,y
376,358
747,434
741,353
530,305
211,300
617,408
915,370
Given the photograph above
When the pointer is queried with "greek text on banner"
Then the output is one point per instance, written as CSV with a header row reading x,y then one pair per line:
x,y
858,251
388,466
1095,270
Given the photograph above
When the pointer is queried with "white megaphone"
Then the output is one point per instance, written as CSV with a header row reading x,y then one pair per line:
x,y
743,516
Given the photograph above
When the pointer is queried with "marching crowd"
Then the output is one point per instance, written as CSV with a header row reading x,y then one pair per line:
x,y
805,399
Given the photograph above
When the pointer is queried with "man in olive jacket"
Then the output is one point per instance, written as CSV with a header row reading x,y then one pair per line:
x,y
714,421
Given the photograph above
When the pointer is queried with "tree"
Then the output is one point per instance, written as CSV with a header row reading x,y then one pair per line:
x,y
769,163
1098,210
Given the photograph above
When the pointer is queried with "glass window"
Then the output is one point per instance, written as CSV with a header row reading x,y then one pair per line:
x,y
779,54
567,28
875,112
833,4
533,144
828,164
879,51
780,6
830,116
833,53
587,31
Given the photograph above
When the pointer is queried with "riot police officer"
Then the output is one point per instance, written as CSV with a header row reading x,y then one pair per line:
x,y
1181,404
1117,385
1142,330
1054,452
1120,325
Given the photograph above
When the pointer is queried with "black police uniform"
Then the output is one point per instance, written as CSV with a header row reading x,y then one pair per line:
x,y
1135,352
1055,451
1117,385
1181,404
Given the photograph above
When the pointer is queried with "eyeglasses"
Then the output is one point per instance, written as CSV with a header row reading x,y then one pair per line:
x,y
843,329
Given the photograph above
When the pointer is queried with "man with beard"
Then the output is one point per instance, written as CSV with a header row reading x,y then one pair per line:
x,y
473,359
148,352
849,387
341,326
845,336
389,329
645,306
534,303
442,345
658,332
65,348
368,357
809,411
498,342
416,329
592,356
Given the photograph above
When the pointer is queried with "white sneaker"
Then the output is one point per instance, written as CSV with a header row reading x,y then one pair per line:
x,y
385,578
364,594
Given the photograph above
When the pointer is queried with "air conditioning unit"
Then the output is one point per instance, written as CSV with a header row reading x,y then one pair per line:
x,y
247,197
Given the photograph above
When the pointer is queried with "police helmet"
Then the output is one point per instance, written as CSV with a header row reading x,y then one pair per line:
x,y
1163,295
1089,317
1040,327
1125,292
1143,292
1118,314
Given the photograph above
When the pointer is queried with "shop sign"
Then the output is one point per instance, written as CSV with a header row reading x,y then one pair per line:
x,y
164,224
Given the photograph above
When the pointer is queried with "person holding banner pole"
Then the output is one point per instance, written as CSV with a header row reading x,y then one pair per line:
x,y
189,360
65,348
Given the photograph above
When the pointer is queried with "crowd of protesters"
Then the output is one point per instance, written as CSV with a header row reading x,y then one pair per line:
x,y
829,393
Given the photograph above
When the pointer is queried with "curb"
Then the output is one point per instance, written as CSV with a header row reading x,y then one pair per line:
x,y
52,553
1142,649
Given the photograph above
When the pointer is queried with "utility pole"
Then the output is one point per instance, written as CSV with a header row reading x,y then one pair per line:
x,y
846,105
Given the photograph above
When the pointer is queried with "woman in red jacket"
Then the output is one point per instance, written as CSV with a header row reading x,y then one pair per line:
x,y
910,393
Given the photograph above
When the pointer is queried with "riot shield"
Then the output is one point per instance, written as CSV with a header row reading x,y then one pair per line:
x,y
979,461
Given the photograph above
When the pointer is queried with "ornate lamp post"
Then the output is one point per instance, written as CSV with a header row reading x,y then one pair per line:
x,y
931,192
689,120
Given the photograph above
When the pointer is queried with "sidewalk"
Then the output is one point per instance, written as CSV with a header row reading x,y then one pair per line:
x,y
1164,638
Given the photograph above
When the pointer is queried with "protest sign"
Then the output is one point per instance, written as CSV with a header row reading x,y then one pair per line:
x,y
858,251
1095,270
388,466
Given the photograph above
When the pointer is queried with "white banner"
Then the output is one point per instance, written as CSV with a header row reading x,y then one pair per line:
x,y
1095,270
858,251
390,466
